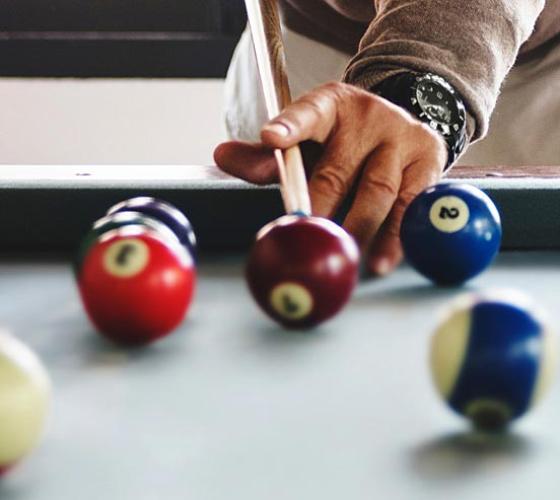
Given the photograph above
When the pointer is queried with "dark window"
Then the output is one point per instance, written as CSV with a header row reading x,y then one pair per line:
x,y
165,38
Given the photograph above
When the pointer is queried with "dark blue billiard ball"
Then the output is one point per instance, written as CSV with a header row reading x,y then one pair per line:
x,y
451,232
164,212
493,356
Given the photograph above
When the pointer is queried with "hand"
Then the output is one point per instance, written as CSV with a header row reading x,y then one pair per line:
x,y
367,140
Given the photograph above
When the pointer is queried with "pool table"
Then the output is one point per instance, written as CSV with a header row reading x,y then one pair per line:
x,y
233,406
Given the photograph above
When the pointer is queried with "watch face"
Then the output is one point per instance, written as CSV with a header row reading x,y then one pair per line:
x,y
437,102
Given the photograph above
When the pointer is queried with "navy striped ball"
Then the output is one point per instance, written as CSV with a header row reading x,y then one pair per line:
x,y
493,356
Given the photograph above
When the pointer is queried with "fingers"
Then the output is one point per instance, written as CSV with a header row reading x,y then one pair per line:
x,y
351,129
252,162
313,116
365,141
389,252
377,191
332,178
386,251
349,121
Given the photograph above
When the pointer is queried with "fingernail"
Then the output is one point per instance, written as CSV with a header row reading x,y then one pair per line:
x,y
278,129
381,266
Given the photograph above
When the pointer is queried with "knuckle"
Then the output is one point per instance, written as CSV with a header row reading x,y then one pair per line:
x,y
403,201
369,107
372,101
338,89
384,185
341,93
355,106
406,197
315,105
331,180
366,110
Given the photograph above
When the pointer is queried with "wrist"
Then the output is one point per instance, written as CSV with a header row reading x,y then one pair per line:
x,y
433,101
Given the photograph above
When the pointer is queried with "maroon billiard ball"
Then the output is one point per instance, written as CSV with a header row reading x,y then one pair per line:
x,y
136,286
302,270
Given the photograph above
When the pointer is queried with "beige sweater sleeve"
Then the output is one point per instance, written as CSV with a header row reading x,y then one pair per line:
x,y
471,43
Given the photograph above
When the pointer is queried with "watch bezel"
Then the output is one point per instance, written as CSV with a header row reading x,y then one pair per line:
x,y
446,129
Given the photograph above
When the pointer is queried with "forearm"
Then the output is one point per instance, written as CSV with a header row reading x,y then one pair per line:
x,y
471,43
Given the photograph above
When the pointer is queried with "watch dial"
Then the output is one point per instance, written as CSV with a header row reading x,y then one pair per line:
x,y
437,102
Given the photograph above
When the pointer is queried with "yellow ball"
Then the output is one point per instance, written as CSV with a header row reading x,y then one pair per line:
x,y
24,400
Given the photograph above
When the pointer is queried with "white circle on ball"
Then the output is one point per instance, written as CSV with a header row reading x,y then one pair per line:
x,y
126,258
291,301
449,214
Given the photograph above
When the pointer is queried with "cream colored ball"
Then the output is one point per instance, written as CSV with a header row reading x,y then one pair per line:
x,y
25,392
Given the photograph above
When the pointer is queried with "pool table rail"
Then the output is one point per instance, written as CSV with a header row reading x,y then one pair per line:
x,y
47,208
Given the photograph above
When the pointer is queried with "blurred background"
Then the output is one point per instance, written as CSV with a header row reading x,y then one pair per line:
x,y
107,82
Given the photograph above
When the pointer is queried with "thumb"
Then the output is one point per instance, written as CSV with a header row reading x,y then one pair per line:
x,y
254,163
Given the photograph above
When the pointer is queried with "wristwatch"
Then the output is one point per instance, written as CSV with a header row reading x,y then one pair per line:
x,y
432,100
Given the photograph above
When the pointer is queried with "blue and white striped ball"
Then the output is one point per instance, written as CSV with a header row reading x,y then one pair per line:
x,y
451,232
493,356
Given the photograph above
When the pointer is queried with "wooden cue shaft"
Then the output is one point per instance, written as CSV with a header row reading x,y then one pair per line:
x,y
275,45
264,21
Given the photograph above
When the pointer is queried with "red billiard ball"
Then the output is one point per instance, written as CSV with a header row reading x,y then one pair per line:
x,y
115,221
136,286
302,270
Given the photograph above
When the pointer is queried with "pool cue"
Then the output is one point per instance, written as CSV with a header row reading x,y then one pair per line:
x,y
264,21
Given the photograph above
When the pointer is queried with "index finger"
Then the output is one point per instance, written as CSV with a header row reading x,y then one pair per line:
x,y
312,117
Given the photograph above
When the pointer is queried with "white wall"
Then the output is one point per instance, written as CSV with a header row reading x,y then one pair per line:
x,y
102,121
